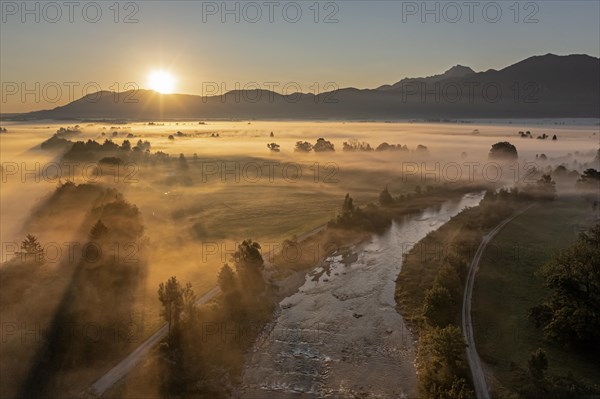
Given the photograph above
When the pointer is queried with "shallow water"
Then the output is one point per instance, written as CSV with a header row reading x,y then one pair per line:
x,y
340,335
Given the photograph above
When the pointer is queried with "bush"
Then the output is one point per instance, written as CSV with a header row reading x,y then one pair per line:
x,y
503,151
323,145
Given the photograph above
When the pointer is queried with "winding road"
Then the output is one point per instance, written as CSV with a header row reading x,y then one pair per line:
x,y
481,388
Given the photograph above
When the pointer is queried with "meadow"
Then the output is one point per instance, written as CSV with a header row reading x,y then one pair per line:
x,y
509,283
230,186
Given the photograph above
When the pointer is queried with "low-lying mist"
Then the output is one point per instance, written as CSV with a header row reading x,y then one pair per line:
x,y
151,216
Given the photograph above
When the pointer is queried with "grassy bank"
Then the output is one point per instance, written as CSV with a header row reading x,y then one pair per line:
x,y
457,240
507,286
429,292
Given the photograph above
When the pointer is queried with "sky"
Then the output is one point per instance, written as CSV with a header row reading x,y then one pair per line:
x,y
54,52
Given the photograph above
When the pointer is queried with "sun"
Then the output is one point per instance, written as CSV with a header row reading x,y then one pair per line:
x,y
161,81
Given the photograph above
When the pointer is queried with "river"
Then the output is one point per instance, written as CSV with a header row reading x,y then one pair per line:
x,y
340,335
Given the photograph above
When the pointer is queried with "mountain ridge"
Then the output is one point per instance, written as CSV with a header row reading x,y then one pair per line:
x,y
539,86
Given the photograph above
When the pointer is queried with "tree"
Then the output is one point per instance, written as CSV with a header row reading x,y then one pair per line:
x,y
273,147
348,206
248,252
449,276
355,145
503,151
383,147
30,244
574,280
544,189
98,230
170,295
143,145
441,363
226,279
303,146
590,176
31,247
385,198
422,149
537,364
249,264
183,165
126,146
189,300
323,145
438,307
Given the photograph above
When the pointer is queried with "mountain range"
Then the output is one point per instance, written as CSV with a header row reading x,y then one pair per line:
x,y
548,86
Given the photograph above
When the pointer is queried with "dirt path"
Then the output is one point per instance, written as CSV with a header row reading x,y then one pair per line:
x,y
126,365
481,388
123,368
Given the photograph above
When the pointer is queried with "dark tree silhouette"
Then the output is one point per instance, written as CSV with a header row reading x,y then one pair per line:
x,y
226,279
32,248
126,146
98,230
422,149
31,244
503,151
391,147
385,198
273,147
183,165
348,206
249,265
355,145
537,364
189,301
303,146
248,252
384,147
170,295
574,280
323,145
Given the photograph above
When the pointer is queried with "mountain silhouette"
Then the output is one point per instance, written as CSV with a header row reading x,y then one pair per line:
x,y
540,86
455,72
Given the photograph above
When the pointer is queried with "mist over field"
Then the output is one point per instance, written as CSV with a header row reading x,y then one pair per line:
x,y
193,212
299,200
238,161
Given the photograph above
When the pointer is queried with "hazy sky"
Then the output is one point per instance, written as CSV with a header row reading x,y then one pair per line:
x,y
350,43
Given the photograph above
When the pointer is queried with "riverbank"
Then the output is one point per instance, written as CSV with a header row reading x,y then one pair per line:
x,y
429,293
340,334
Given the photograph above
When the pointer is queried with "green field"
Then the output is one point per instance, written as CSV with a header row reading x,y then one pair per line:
x,y
507,286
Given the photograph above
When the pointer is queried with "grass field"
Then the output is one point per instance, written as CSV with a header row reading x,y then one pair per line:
x,y
507,286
